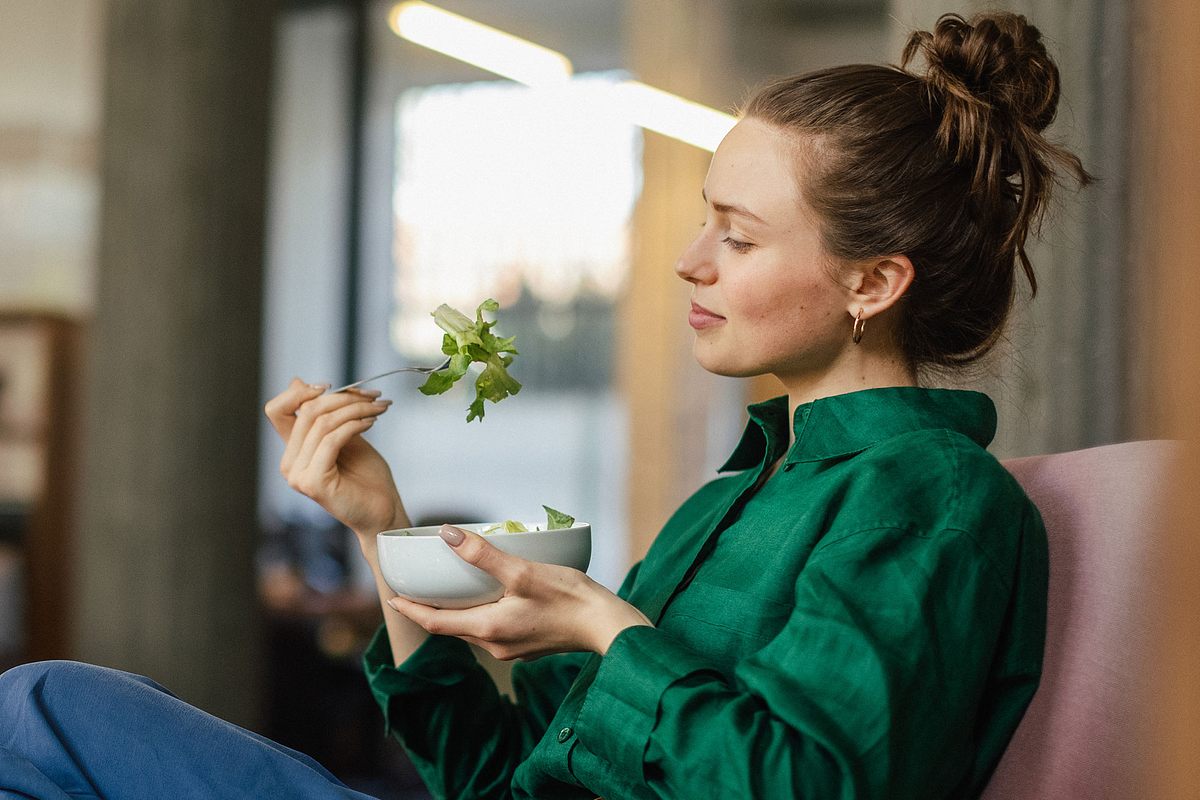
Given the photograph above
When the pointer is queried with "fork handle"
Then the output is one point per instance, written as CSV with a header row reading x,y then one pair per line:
x,y
423,370
356,384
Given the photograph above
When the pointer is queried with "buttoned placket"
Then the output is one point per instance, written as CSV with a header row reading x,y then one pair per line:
x,y
753,482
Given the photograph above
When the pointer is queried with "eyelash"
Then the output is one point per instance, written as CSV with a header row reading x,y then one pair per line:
x,y
735,245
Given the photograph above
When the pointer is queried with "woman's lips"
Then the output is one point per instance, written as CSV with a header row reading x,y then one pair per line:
x,y
700,317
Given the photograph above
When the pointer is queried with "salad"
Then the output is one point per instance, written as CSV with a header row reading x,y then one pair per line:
x,y
467,341
555,520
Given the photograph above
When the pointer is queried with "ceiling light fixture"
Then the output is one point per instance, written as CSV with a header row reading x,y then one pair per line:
x,y
672,115
525,62
482,45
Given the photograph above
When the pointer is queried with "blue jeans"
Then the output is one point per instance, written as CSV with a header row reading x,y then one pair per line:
x,y
71,730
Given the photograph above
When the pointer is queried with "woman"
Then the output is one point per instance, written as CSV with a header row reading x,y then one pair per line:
x,y
856,610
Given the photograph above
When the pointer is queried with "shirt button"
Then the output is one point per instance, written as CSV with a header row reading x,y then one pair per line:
x,y
564,734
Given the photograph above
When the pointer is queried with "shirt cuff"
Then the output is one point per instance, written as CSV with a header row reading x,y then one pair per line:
x,y
439,663
621,709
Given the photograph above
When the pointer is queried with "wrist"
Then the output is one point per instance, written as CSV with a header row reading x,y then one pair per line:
x,y
398,518
619,616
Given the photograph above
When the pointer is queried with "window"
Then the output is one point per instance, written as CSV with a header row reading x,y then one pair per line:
x,y
524,195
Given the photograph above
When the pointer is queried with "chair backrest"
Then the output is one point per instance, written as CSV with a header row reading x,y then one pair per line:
x,y
1079,738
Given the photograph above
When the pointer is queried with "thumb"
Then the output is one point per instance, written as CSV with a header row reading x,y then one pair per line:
x,y
478,551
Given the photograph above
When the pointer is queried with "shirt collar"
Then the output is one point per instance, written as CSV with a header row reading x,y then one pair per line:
x,y
849,423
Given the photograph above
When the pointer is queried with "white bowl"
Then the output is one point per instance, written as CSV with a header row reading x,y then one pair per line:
x,y
419,565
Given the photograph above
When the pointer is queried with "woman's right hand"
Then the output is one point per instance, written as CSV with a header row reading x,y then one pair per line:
x,y
326,457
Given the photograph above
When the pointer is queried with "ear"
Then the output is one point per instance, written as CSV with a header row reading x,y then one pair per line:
x,y
877,283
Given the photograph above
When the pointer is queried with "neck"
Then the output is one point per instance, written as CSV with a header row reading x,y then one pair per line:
x,y
856,369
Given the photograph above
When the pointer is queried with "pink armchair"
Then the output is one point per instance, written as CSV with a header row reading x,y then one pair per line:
x,y
1079,738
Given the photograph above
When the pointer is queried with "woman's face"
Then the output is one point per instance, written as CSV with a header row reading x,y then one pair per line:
x,y
763,300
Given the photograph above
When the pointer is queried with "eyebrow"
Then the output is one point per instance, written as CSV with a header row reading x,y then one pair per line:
x,y
726,208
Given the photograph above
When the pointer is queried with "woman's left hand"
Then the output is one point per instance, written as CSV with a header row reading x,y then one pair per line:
x,y
545,608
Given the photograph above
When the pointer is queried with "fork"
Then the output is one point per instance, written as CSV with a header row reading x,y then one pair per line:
x,y
422,370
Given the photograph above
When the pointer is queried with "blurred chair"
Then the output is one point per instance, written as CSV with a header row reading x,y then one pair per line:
x,y
1079,738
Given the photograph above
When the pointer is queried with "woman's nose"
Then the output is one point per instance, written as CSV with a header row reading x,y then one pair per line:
x,y
695,263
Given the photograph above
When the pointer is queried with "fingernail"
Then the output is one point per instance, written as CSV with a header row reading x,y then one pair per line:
x,y
451,535
392,603
319,387
370,392
383,402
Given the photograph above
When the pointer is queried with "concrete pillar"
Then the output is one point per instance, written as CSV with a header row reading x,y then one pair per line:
x,y
168,531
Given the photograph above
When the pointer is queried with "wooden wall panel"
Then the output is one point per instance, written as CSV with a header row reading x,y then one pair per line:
x,y
1167,190
677,45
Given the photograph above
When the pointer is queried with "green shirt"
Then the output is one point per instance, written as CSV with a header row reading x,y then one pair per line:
x,y
867,623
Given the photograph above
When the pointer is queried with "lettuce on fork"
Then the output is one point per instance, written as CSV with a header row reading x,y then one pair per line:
x,y
467,341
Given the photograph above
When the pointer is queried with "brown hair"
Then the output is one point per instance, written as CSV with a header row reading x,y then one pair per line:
x,y
949,168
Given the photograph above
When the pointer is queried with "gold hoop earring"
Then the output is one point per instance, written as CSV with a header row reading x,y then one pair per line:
x,y
859,327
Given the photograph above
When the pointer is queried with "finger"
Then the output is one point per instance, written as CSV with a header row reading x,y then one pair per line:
x,y
512,650
463,623
510,570
323,465
281,409
306,415
331,421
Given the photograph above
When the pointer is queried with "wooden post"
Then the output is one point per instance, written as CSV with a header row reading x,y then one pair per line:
x,y
676,45
43,452
1166,265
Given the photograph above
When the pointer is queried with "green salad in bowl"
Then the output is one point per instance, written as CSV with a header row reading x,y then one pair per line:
x,y
416,563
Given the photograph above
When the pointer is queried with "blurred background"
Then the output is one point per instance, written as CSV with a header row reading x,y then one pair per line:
x,y
200,199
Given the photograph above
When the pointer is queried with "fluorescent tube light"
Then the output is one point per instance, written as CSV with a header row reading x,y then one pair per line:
x,y
671,115
525,62
482,45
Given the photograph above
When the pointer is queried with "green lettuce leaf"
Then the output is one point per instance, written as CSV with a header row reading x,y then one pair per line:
x,y
556,519
508,526
467,341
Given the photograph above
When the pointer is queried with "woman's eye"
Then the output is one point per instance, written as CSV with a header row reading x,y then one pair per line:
x,y
736,246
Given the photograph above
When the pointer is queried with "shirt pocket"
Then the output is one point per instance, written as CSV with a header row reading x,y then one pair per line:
x,y
724,623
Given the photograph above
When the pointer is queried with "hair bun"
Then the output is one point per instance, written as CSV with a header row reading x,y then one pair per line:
x,y
992,89
994,62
